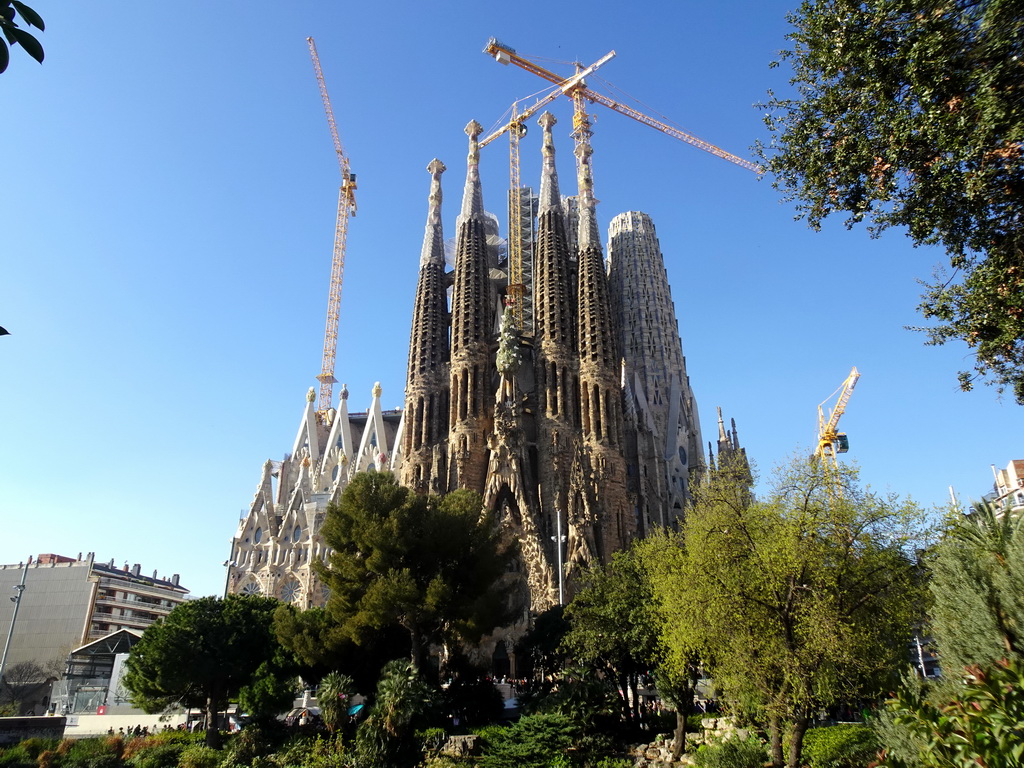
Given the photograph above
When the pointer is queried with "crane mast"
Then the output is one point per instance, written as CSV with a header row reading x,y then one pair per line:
x,y
346,208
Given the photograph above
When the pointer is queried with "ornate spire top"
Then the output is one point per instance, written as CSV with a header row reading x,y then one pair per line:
x,y
549,196
735,437
589,235
376,389
721,427
311,395
472,197
433,238
344,392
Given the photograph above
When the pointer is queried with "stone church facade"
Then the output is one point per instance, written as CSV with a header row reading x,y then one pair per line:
x,y
580,431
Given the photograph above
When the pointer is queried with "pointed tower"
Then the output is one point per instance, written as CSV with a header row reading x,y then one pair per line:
x,y
555,342
426,391
606,501
473,302
665,448
731,457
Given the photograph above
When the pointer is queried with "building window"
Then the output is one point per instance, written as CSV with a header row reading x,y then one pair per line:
x,y
258,536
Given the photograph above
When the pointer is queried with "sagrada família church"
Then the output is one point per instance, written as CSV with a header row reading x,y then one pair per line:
x,y
572,417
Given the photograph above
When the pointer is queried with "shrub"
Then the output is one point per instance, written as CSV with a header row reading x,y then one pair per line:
x,y
840,746
153,753
199,756
36,746
16,757
536,741
432,739
732,753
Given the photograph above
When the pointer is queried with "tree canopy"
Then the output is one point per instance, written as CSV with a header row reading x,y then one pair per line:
x,y
796,602
202,654
433,566
910,113
612,626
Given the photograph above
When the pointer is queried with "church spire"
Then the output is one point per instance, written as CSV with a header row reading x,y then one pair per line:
x,y
426,391
433,238
472,196
549,196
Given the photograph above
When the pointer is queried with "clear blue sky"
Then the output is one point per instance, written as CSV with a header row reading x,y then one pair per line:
x,y
168,194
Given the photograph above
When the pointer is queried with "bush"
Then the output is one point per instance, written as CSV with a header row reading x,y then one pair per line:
x,y
16,757
155,754
732,753
536,741
432,739
35,746
840,746
199,756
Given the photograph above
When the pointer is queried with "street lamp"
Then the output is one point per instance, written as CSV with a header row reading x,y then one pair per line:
x,y
559,540
20,589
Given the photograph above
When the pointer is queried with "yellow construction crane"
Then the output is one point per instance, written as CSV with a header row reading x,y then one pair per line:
x,y
346,207
575,88
504,54
831,441
516,129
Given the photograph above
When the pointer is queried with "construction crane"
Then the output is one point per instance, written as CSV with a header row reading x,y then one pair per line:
x,y
575,88
580,94
516,129
831,441
346,208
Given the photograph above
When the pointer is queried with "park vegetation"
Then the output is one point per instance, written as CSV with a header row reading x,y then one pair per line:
x,y
778,611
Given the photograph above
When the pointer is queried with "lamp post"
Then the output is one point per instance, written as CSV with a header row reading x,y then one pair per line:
x,y
559,540
20,589
228,565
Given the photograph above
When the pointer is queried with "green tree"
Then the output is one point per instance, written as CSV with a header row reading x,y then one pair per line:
x,y
612,626
334,695
432,566
386,739
909,114
542,644
977,587
973,716
15,35
796,602
202,654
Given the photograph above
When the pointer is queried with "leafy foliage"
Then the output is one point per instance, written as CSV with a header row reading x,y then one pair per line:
x,y
909,114
797,601
983,725
15,35
612,627
542,645
977,588
974,716
387,738
849,745
201,654
731,753
535,741
334,696
432,566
